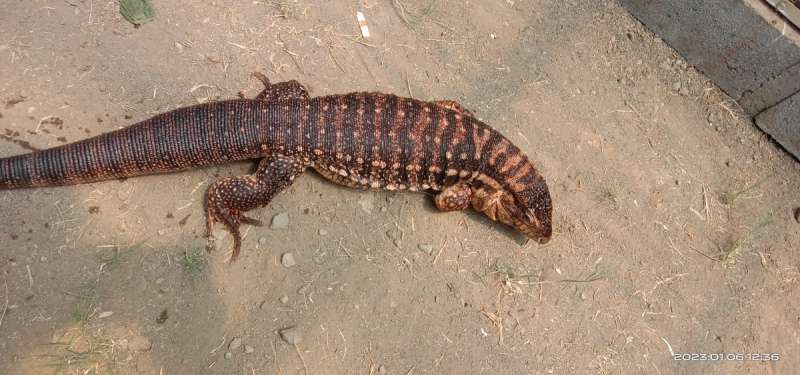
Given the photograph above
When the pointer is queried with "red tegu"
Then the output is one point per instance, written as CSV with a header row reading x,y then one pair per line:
x,y
360,140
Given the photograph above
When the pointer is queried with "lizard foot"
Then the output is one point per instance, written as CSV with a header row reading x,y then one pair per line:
x,y
454,198
281,90
227,199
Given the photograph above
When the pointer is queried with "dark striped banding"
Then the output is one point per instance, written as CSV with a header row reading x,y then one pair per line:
x,y
181,139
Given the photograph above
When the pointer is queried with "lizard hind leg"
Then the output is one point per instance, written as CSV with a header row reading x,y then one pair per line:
x,y
454,197
281,90
227,199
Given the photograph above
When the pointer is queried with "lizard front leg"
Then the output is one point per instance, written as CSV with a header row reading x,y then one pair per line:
x,y
227,199
454,197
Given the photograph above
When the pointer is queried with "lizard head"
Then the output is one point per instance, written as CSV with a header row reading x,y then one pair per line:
x,y
529,211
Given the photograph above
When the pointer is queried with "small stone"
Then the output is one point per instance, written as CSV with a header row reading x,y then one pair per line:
x,y
43,259
228,355
284,299
280,221
262,241
398,243
323,232
159,280
236,343
382,370
105,314
162,317
287,259
712,118
140,343
797,215
676,86
291,335
426,247
249,349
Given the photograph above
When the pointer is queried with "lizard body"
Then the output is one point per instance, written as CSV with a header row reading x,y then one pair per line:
x,y
360,140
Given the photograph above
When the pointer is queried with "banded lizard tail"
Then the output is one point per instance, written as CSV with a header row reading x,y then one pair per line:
x,y
361,140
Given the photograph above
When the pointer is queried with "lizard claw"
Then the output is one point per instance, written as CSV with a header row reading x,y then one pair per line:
x,y
261,77
250,221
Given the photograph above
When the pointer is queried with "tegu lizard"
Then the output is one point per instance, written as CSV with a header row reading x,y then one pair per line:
x,y
360,140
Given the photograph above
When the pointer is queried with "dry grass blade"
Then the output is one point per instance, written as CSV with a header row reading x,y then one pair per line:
x,y
80,354
729,198
510,273
5,306
291,54
117,254
595,275
512,276
728,253
84,309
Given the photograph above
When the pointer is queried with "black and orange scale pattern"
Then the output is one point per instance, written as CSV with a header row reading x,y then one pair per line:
x,y
362,140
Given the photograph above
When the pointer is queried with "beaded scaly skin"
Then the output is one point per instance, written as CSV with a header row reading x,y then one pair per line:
x,y
360,140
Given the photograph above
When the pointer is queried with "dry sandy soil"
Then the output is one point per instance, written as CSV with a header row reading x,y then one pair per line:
x,y
674,227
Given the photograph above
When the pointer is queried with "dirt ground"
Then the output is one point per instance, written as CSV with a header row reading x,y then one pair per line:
x,y
674,226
